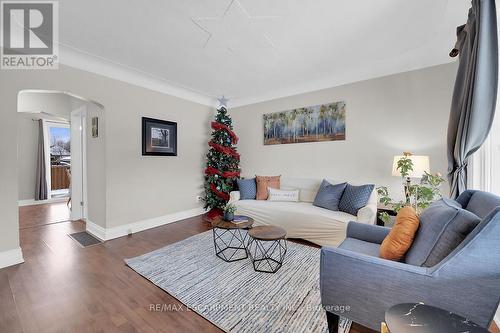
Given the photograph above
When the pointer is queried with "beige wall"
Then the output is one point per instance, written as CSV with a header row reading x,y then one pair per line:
x,y
57,104
137,187
384,117
142,187
9,227
96,167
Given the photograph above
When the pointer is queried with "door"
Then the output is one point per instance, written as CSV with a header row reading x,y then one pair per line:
x,y
78,166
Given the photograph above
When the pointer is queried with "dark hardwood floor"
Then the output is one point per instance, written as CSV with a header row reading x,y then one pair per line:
x,y
37,215
63,287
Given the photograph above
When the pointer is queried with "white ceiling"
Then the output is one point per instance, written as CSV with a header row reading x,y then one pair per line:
x,y
254,50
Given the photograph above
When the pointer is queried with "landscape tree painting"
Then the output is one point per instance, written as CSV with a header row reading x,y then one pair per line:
x,y
160,137
325,122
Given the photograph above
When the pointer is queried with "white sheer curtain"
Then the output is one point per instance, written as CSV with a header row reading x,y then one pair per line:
x,y
485,168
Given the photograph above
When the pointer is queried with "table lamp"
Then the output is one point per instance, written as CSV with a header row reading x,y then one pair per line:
x,y
420,167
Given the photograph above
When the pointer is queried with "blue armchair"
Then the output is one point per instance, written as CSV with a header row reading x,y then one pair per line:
x,y
355,280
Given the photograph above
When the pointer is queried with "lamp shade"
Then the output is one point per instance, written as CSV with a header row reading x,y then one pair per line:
x,y
420,166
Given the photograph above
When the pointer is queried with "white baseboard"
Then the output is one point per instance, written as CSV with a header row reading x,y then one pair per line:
x,y
95,230
497,317
31,202
11,257
105,234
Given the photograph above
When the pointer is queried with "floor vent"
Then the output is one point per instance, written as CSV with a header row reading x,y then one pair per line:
x,y
85,239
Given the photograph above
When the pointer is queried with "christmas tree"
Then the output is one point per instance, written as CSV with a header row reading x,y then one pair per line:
x,y
222,163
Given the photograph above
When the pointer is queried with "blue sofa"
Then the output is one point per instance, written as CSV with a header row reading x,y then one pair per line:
x,y
355,283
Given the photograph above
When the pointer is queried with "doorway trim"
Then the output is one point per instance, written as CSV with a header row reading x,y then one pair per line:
x,y
79,202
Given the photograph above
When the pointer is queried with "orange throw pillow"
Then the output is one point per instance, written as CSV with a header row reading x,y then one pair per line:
x,y
263,182
401,236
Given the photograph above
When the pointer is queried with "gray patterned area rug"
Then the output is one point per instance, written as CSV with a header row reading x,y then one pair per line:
x,y
232,295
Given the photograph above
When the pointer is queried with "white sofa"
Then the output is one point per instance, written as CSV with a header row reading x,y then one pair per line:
x,y
302,219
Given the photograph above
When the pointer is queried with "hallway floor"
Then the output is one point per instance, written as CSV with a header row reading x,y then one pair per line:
x,y
38,215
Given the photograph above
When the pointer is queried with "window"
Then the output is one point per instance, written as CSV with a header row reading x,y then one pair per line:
x,y
60,147
485,168
58,159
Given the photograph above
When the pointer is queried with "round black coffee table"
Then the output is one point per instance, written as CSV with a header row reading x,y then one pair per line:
x,y
230,238
420,318
267,248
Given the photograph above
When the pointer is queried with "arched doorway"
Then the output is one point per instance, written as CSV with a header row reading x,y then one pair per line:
x,y
64,124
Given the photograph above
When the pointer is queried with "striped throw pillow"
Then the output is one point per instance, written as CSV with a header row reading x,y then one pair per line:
x,y
282,195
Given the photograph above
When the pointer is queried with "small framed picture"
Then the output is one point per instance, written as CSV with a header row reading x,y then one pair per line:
x,y
95,127
159,137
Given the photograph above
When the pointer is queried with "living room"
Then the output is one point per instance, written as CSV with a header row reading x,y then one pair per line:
x,y
242,166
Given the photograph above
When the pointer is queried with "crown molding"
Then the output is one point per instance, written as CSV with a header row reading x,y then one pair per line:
x,y
82,60
79,59
329,82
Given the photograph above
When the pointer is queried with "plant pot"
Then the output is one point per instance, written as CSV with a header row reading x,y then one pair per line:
x,y
228,216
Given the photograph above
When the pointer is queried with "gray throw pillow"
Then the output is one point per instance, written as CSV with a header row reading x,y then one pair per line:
x,y
247,188
355,197
443,226
329,195
481,203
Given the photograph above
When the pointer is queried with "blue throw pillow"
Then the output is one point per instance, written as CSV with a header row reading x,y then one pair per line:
x,y
248,188
443,226
329,195
355,197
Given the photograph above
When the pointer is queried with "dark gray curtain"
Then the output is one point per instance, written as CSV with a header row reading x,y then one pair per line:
x,y
474,96
41,191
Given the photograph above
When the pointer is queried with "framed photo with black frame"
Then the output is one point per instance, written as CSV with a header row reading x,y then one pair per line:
x,y
159,137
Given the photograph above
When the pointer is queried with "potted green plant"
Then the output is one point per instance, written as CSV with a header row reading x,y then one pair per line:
x,y
229,210
419,196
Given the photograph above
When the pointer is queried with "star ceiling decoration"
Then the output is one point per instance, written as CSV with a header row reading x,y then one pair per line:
x,y
236,29
223,101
